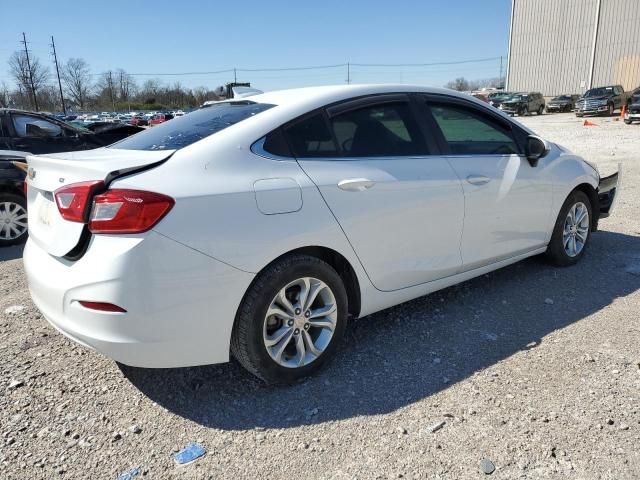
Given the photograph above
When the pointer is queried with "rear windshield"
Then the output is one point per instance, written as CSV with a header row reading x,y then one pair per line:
x,y
182,131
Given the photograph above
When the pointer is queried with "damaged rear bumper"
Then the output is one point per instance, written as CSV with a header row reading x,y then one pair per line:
x,y
608,192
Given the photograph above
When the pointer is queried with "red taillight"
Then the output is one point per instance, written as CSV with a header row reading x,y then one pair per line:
x,y
128,211
73,200
102,306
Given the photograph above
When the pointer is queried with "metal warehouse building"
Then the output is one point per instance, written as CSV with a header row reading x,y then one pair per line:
x,y
569,46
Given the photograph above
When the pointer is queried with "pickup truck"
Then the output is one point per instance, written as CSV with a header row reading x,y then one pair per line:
x,y
601,100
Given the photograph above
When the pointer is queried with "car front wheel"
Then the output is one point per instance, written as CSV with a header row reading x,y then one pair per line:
x,y
13,219
291,319
572,230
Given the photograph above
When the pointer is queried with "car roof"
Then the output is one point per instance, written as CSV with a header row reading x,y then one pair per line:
x,y
334,93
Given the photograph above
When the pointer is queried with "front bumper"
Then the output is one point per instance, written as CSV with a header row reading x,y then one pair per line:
x,y
609,191
180,304
592,110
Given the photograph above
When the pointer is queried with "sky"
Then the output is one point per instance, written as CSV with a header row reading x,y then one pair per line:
x,y
161,36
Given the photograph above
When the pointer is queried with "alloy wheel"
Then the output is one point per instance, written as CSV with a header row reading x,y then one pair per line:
x,y
300,322
576,229
13,220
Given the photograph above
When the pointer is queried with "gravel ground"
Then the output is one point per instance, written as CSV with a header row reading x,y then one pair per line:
x,y
531,370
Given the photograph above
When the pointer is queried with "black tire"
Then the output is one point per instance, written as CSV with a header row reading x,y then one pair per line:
x,y
555,251
247,344
627,121
540,110
610,110
12,198
524,112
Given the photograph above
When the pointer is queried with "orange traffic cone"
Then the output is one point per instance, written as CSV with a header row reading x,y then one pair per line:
x,y
623,110
587,123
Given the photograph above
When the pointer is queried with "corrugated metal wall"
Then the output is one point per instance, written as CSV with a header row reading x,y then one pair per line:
x,y
552,45
617,58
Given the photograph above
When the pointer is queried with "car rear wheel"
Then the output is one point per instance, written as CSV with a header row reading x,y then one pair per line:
x,y
291,320
572,230
13,219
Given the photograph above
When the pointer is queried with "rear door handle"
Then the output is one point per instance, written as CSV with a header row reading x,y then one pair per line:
x,y
478,179
355,184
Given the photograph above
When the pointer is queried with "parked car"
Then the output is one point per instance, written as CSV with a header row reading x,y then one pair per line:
x,y
242,229
632,113
601,100
139,121
13,204
37,133
523,104
159,118
562,103
496,98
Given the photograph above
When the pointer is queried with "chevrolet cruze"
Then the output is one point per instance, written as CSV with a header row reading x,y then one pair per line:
x,y
258,227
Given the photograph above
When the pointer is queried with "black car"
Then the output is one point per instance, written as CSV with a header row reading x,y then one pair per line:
x,y
632,113
562,103
39,133
13,204
523,103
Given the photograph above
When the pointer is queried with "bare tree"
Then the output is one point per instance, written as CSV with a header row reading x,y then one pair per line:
x,y
77,80
24,73
126,85
4,95
460,84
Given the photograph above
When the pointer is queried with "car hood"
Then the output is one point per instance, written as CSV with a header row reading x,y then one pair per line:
x,y
559,102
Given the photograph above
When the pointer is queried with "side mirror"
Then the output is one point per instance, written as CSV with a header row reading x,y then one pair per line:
x,y
537,148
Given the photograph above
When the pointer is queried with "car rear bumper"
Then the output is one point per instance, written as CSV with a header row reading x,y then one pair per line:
x,y
180,304
609,191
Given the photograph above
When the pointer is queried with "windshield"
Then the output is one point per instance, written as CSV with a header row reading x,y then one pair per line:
x,y
561,98
599,92
636,98
518,97
187,129
499,96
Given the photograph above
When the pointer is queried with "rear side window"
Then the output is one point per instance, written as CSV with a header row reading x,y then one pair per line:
x,y
35,127
382,130
310,137
468,132
187,129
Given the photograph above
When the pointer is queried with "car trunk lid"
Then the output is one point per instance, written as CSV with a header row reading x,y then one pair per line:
x,y
48,173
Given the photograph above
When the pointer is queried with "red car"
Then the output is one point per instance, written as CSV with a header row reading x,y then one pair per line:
x,y
139,121
160,118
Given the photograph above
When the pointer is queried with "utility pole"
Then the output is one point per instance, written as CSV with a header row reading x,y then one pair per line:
x,y
33,88
500,77
235,76
113,103
348,73
55,60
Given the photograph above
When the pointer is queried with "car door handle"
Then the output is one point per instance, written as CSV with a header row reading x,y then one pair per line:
x,y
355,184
478,179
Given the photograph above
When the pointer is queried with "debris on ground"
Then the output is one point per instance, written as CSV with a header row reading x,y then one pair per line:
x,y
191,452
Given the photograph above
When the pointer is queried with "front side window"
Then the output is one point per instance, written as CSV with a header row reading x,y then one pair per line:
x,y
34,127
470,132
310,137
188,129
382,130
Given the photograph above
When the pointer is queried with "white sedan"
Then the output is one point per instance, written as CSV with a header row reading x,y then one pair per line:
x,y
258,227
